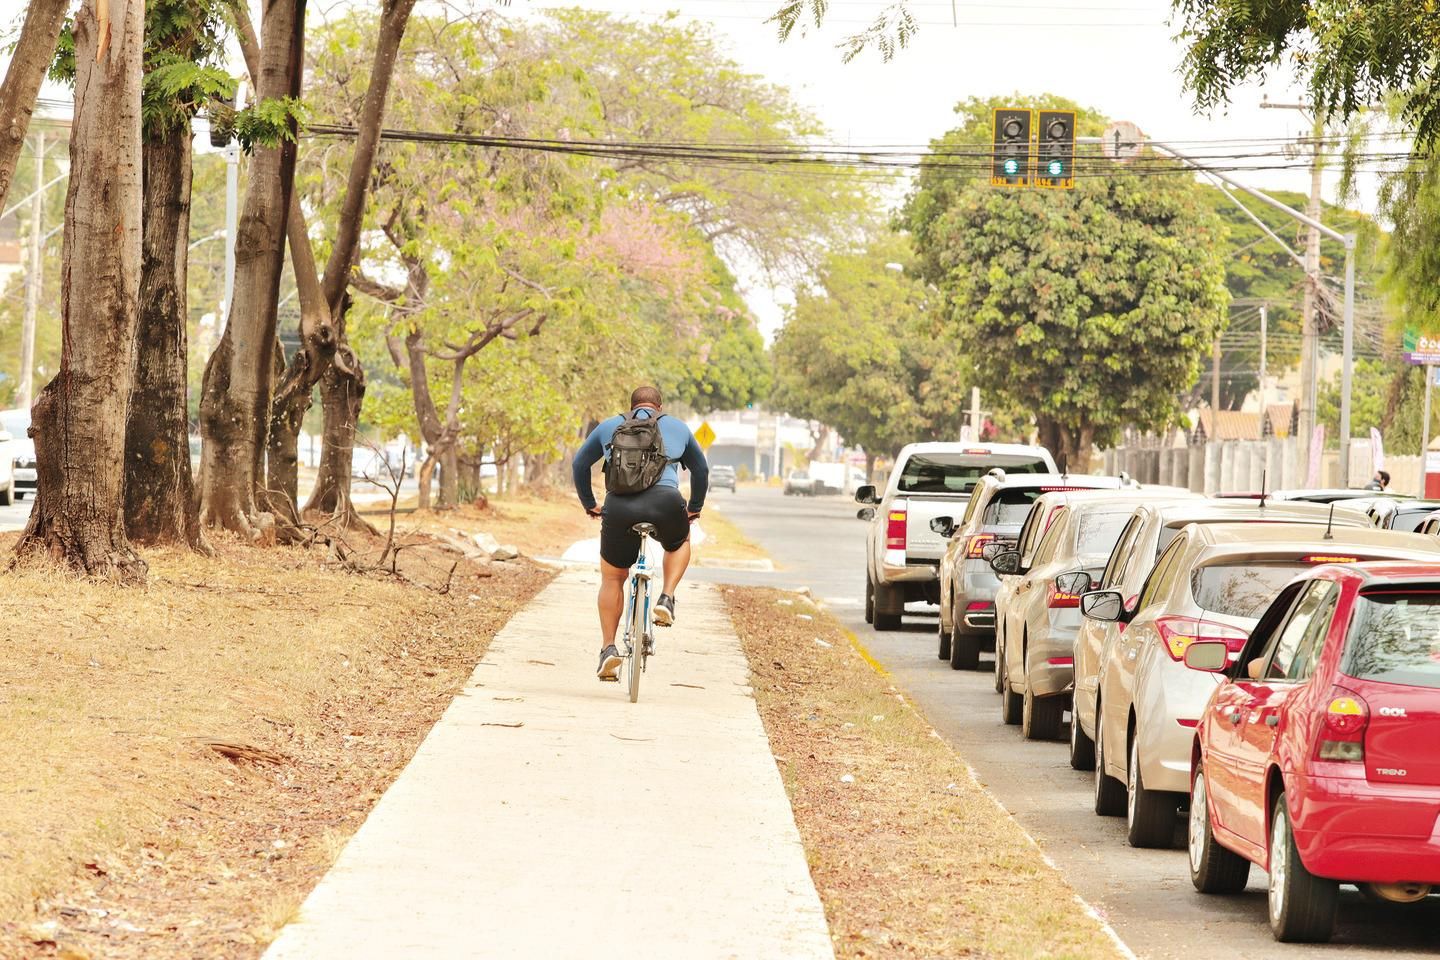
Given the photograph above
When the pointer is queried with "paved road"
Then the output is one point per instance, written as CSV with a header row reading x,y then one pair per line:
x,y
15,516
1146,894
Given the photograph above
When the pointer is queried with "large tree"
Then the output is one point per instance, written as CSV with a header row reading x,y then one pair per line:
x,y
1353,54
33,50
1092,307
859,353
236,393
184,44
79,419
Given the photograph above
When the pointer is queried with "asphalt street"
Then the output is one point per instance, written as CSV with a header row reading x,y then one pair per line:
x,y
17,514
1145,894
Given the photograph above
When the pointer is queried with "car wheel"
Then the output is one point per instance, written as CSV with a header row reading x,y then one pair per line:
x,y
1109,792
1149,814
999,663
945,636
964,651
1082,748
869,599
1213,868
7,496
1302,905
889,606
1040,716
1010,704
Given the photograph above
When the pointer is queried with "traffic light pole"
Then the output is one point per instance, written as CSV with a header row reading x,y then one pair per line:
x,y
1348,318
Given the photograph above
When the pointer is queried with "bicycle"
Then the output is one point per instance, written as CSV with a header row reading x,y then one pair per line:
x,y
637,611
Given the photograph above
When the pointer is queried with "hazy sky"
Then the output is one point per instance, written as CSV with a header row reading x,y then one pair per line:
x,y
1117,56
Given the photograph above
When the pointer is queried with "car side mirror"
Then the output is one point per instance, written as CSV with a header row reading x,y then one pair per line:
x,y
865,513
1107,606
1207,656
992,550
1007,563
1073,583
866,494
945,526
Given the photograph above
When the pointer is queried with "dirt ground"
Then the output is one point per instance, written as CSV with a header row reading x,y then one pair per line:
x,y
911,857
179,764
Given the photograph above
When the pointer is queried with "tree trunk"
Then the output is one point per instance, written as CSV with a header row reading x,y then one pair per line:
x,y
235,398
321,327
78,423
342,391
449,477
425,477
159,492
469,478
34,51
869,467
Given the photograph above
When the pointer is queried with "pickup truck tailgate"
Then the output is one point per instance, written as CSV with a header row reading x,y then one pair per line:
x,y
922,543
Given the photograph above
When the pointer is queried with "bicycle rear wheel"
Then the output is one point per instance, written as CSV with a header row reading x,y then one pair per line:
x,y
635,663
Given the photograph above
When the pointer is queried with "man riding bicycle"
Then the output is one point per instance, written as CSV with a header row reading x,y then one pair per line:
x,y
657,502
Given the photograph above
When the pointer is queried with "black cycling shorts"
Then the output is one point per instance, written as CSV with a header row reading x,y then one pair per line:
x,y
662,506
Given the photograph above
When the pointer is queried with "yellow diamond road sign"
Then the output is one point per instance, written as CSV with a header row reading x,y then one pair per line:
x,y
706,436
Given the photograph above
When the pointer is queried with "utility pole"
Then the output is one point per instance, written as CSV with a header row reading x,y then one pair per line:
x,y
34,281
1264,330
1309,326
1215,386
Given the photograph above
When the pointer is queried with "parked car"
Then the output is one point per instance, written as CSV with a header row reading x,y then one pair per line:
x,y
1211,583
1151,529
1315,757
17,462
1312,495
992,519
1062,546
798,483
722,477
929,480
1392,513
1430,526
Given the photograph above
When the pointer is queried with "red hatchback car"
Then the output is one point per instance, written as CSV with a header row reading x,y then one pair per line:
x,y
1319,758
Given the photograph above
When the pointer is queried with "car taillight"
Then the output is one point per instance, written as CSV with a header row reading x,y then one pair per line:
x,y
977,606
1328,558
1057,599
976,544
895,529
1342,728
1177,633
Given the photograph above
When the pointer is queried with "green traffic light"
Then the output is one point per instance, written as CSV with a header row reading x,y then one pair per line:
x,y
1056,168
1012,167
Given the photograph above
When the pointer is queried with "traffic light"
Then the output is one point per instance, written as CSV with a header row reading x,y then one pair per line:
x,y
1055,164
1010,164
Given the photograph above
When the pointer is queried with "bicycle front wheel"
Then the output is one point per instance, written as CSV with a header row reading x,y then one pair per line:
x,y
639,609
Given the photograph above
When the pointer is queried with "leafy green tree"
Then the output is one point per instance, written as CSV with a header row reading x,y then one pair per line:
x,y
859,354
1355,54
1388,396
1091,307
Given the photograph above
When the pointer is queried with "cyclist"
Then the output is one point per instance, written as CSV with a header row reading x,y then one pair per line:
x,y
660,504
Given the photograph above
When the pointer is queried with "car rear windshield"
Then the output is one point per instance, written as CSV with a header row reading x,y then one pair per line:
x,y
1099,532
1010,506
1410,521
959,472
1395,638
1241,589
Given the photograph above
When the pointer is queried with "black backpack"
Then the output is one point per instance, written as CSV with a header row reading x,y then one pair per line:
x,y
637,455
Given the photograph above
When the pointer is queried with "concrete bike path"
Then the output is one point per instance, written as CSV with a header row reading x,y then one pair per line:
x,y
547,816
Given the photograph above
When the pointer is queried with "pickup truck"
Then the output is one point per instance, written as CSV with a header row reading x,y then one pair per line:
x,y
930,480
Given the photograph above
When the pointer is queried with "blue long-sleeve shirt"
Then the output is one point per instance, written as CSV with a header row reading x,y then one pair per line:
x,y
680,445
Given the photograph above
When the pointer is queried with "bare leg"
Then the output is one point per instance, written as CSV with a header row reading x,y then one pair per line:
x,y
675,564
612,601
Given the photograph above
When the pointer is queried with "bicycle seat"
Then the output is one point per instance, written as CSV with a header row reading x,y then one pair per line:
x,y
644,529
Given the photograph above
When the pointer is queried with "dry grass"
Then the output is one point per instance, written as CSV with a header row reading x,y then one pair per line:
x,y
724,542
539,525
912,858
124,829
